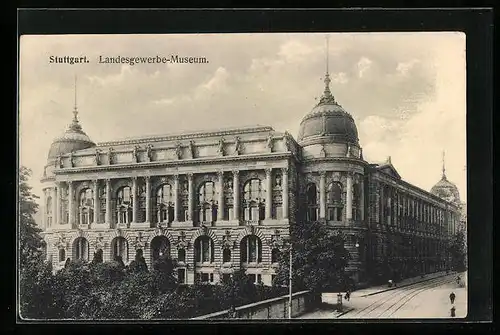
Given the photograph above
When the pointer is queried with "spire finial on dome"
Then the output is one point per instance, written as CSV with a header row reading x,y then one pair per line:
x,y
327,96
444,169
75,125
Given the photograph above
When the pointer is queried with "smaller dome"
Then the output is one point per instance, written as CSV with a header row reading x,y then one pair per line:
x,y
73,139
446,190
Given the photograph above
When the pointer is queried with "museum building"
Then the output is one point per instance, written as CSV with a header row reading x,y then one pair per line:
x,y
223,200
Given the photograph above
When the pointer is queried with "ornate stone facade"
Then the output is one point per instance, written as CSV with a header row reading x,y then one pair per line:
x,y
222,200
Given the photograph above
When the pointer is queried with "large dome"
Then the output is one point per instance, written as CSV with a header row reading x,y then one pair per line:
x,y
327,121
74,138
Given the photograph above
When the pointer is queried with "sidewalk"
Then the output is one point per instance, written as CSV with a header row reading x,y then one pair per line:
x,y
405,282
325,313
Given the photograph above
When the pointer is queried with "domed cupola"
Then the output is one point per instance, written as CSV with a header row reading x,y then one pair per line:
x,y
328,122
328,131
445,189
73,139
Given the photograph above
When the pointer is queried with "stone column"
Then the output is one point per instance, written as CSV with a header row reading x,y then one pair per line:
x,y
55,206
382,204
176,197
135,203
349,197
389,206
96,202
190,197
108,202
269,193
362,199
71,210
57,213
148,198
236,195
285,192
322,195
220,210
44,209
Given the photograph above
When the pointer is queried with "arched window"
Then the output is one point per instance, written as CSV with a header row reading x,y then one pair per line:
x,y
253,197
251,249
119,248
275,255
204,250
334,201
160,246
165,203
226,255
48,210
62,255
81,249
124,205
312,202
86,206
181,255
207,208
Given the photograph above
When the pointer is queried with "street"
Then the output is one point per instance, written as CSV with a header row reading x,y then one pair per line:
x,y
427,299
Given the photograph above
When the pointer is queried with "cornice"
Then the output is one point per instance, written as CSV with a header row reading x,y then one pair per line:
x,y
188,136
326,139
186,162
340,159
420,192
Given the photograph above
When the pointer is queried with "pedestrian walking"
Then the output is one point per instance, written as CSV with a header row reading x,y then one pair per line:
x,y
348,295
452,312
452,297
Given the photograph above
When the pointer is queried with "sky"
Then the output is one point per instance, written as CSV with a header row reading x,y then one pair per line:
x,y
406,91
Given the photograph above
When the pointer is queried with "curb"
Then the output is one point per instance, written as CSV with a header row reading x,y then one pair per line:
x,y
345,312
405,285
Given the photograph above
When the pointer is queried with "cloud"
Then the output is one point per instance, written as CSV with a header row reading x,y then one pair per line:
x,y
408,103
363,65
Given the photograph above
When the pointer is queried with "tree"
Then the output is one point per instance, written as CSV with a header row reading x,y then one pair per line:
x,y
35,275
31,243
319,259
458,251
163,274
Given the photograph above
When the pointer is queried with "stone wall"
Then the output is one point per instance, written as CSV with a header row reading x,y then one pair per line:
x,y
276,308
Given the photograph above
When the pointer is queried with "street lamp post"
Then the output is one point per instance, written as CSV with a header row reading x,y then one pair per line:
x,y
288,244
290,284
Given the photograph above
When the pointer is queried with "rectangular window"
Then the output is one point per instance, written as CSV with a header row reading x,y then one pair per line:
x,y
211,277
259,279
252,277
204,277
208,215
181,276
339,214
254,213
331,214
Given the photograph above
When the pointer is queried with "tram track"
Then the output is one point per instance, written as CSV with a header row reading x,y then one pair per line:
x,y
396,297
